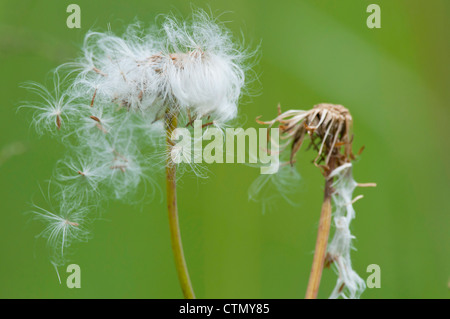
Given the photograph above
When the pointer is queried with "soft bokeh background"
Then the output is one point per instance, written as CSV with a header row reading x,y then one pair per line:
x,y
395,82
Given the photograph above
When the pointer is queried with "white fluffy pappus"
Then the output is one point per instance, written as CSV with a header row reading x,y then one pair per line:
x,y
192,66
81,175
349,284
64,225
124,166
209,69
116,69
57,106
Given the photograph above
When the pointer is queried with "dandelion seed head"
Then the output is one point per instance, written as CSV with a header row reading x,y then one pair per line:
x,y
112,105
63,226
192,65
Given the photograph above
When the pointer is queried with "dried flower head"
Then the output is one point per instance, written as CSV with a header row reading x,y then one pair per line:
x,y
328,126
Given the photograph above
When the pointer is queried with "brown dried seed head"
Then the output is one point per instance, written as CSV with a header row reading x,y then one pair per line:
x,y
338,111
328,124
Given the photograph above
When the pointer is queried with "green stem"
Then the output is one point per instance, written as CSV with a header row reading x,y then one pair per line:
x,y
175,235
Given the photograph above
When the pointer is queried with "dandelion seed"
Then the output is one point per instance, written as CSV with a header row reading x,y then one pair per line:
x,y
64,226
81,175
57,106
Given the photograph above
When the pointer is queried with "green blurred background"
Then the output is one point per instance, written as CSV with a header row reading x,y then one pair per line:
x,y
395,82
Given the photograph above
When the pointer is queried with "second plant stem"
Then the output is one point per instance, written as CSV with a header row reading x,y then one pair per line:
x,y
322,236
175,234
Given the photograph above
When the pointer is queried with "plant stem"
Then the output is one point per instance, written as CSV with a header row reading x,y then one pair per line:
x,y
175,235
322,237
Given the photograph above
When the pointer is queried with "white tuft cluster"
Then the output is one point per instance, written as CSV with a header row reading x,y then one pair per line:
x,y
349,284
193,67
109,107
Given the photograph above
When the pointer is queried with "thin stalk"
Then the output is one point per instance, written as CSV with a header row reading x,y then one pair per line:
x,y
175,235
322,237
